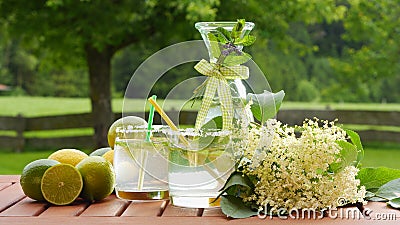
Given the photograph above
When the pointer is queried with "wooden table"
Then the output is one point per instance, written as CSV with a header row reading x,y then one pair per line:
x,y
16,208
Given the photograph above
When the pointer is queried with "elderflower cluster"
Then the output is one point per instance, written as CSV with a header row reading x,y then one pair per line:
x,y
293,172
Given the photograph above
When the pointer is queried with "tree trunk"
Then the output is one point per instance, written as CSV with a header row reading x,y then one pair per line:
x,y
99,63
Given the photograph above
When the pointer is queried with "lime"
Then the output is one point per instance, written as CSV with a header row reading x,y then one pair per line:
x,y
100,151
32,175
61,184
124,121
68,156
98,178
222,160
109,156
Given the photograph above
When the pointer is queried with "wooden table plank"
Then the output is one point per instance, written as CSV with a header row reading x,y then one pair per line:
x,y
15,208
335,214
9,178
178,221
4,185
26,207
75,209
146,209
171,210
10,195
381,209
111,206
213,212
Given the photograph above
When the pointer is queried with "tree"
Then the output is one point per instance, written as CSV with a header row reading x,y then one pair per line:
x,y
374,28
93,31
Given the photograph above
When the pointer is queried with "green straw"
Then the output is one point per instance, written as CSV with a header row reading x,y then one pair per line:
x,y
143,152
150,120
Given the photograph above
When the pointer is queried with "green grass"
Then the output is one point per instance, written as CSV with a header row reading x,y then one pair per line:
x,y
381,154
342,106
359,127
59,133
42,106
45,106
18,161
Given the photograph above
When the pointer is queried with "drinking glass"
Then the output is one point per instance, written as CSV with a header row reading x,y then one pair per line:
x,y
141,163
199,165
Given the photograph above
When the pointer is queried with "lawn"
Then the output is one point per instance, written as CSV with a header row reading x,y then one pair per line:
x,y
45,106
382,154
42,106
19,160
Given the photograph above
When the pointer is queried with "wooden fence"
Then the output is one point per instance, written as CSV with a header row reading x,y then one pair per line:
x,y
382,123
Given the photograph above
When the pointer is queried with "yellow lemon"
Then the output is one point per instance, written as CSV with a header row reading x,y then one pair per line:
x,y
68,156
109,156
126,121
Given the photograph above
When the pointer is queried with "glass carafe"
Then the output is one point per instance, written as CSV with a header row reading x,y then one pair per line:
x,y
238,90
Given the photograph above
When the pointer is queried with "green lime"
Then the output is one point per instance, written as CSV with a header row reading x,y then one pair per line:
x,y
32,175
98,178
61,184
68,156
100,151
124,121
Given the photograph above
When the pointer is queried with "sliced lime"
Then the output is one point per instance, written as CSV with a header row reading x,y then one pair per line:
x,y
61,184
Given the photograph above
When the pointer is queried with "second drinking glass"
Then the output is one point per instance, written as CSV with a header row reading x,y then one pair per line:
x,y
199,165
141,163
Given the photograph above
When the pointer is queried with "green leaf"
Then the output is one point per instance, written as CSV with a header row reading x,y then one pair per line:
x,y
233,59
246,40
214,45
177,157
395,203
237,184
390,190
237,178
376,199
347,155
237,29
374,178
355,139
234,207
335,167
226,34
220,35
265,105
214,123
370,196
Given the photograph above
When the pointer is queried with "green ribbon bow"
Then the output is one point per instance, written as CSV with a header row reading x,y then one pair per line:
x,y
216,82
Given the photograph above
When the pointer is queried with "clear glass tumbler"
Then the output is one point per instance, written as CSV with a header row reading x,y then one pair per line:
x,y
199,165
141,163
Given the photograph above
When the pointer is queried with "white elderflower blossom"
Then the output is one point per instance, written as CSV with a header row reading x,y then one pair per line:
x,y
294,172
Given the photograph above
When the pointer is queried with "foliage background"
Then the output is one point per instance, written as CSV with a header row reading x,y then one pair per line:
x,y
316,50
336,51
